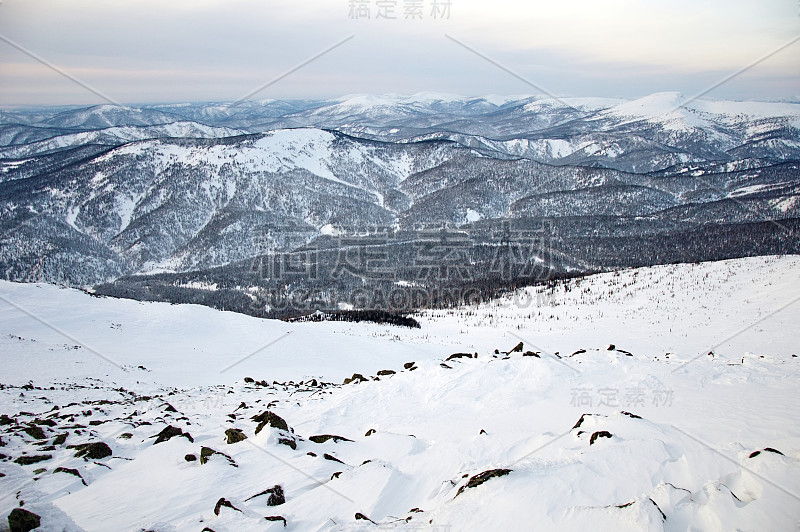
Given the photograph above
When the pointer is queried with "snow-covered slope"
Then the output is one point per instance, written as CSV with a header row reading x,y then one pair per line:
x,y
654,433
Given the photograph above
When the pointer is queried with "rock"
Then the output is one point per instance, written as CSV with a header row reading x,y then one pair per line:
x,y
767,449
581,420
386,372
480,478
249,380
21,520
322,438
357,377
407,365
531,354
33,459
445,366
332,458
207,452
35,432
234,436
290,442
276,518
91,451
268,418
126,435
517,348
578,352
223,502
362,517
599,434
190,458
60,439
370,432
276,496
170,432
5,420
611,347
634,416
70,471
459,355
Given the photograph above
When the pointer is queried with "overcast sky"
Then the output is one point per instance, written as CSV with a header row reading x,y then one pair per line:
x,y
140,51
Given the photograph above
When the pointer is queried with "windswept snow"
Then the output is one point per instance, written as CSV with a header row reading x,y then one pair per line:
x,y
687,423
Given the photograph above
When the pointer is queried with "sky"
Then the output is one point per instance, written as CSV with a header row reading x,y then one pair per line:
x,y
66,52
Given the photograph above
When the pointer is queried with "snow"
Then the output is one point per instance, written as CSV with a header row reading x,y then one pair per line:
x,y
688,455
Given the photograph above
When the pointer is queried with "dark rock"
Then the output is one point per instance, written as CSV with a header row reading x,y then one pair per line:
x,y
91,451
599,434
634,416
21,520
5,420
70,471
276,496
445,366
207,452
581,420
60,439
35,432
480,478
408,365
47,422
223,502
336,475
357,377
663,516
170,432
249,380
309,453
126,435
482,431
322,438
290,442
268,418
531,354
517,348
370,432
386,372
190,458
327,456
611,347
33,459
459,355
169,408
578,352
767,449
235,436
276,518
362,517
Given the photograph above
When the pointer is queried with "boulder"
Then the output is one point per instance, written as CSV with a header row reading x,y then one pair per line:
x,y
267,418
599,434
322,438
223,502
21,520
480,478
170,432
357,377
235,436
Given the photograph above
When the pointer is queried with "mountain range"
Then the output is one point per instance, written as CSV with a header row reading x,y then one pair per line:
x,y
173,194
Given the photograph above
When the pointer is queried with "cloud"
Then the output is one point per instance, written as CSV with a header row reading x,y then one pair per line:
x,y
147,50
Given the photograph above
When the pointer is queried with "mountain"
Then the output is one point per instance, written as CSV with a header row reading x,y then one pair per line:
x,y
149,198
